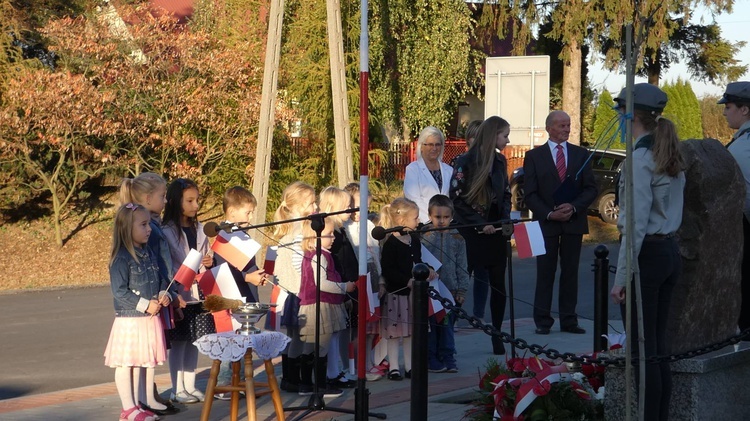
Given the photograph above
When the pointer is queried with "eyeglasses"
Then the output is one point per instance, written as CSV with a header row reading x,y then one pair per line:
x,y
432,145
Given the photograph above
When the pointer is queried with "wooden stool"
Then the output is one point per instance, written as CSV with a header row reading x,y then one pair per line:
x,y
248,386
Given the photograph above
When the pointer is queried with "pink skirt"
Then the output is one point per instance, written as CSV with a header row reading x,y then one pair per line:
x,y
136,342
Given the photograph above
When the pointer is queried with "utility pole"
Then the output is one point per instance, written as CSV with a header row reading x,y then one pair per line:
x,y
267,109
345,170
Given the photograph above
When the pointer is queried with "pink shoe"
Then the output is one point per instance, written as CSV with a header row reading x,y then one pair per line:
x,y
135,414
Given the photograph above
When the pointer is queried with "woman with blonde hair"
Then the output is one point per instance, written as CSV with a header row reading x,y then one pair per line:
x,y
428,175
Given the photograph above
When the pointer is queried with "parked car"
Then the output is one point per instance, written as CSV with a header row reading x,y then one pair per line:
x,y
606,166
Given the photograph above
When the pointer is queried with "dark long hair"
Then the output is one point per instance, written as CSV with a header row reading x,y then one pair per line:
x,y
173,208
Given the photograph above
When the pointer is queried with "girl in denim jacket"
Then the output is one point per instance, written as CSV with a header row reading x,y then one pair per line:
x,y
137,337
149,190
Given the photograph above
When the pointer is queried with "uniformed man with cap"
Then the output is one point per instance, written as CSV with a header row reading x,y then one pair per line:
x,y
736,102
658,192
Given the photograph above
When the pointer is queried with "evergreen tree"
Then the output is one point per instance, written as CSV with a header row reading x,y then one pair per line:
x,y
683,108
606,123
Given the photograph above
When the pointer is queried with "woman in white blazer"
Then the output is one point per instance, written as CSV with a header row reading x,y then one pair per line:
x,y
428,175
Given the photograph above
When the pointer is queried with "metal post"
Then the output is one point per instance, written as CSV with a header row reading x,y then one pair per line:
x,y
418,340
601,285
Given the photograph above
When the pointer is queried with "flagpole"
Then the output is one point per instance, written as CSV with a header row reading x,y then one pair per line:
x,y
361,403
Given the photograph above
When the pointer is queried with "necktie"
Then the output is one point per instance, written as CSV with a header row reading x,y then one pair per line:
x,y
560,163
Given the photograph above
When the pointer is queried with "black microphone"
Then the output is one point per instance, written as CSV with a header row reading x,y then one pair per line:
x,y
379,232
212,229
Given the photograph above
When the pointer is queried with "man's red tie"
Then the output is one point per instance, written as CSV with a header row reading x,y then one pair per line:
x,y
560,163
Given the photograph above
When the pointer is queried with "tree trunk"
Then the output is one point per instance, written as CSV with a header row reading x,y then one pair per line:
x,y
654,68
571,88
345,169
267,107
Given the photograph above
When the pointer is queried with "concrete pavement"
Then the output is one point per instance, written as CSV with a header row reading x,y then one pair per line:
x,y
449,394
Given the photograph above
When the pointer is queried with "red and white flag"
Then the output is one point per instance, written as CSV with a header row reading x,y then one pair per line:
x,y
435,307
219,281
278,297
237,248
270,263
379,349
529,239
190,266
373,302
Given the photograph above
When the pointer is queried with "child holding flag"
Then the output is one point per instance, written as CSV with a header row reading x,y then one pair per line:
x,y
149,190
239,204
399,255
183,233
449,247
137,337
297,201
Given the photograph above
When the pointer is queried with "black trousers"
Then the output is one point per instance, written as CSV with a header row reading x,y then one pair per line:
x,y
568,247
744,319
661,266
498,299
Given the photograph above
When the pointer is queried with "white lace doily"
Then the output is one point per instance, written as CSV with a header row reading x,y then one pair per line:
x,y
230,346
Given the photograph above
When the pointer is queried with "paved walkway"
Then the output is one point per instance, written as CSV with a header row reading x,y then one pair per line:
x,y
449,394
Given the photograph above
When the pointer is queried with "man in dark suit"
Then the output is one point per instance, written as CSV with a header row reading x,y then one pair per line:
x,y
559,186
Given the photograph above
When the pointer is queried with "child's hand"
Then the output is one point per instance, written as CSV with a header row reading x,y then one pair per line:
x,y
382,291
153,307
459,298
351,286
432,276
257,278
180,303
164,298
410,284
207,261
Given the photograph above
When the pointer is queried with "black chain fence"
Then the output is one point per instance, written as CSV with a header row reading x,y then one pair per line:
x,y
554,354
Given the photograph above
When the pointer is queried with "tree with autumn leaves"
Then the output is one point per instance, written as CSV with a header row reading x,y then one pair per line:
x,y
160,98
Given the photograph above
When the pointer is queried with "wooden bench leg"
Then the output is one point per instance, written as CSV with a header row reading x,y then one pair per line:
x,y
212,379
250,386
275,392
234,404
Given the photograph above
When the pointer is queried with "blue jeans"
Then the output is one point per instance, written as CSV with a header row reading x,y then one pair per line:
x,y
441,345
480,289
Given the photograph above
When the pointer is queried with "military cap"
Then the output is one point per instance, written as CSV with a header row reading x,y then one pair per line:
x,y
736,92
646,97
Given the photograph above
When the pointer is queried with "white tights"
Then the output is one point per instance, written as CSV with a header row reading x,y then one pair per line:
x,y
393,346
183,360
334,359
143,387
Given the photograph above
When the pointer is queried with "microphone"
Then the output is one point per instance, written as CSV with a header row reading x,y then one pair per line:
x,y
212,229
379,232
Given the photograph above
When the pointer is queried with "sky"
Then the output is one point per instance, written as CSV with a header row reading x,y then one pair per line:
x,y
733,28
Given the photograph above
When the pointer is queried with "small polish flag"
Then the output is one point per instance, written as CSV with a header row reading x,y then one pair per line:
x,y
373,302
529,239
278,297
219,281
435,308
237,248
270,263
190,266
224,321
379,349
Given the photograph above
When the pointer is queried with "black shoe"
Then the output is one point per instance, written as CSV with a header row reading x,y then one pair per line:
x,y
169,410
341,382
407,374
394,375
330,392
573,329
305,389
542,331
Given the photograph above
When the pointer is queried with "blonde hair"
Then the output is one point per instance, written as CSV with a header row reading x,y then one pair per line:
x,y
135,190
333,199
236,197
309,236
292,198
394,214
122,233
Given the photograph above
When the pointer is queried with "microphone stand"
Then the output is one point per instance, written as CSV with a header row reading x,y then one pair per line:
x,y
506,226
316,402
